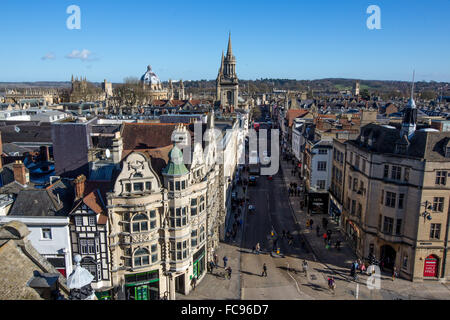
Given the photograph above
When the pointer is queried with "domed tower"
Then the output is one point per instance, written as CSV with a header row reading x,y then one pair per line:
x,y
151,80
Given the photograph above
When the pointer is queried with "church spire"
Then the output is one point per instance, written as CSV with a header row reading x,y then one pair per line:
x,y
409,115
229,50
221,64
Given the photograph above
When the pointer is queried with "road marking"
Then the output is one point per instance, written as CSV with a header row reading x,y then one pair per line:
x,y
296,284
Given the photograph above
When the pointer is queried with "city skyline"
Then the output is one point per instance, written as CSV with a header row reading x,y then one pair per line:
x,y
184,41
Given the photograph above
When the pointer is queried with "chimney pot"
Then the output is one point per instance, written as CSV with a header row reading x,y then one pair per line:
x,y
79,186
20,173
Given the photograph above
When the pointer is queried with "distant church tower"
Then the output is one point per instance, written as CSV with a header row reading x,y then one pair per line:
x,y
227,83
356,89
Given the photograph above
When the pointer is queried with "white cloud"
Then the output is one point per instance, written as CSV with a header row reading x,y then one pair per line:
x,y
49,56
83,55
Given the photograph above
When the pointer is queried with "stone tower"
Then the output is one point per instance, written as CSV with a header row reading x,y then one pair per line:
x,y
356,88
227,83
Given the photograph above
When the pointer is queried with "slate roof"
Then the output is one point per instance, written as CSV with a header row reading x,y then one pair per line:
x,y
423,145
11,147
44,202
29,132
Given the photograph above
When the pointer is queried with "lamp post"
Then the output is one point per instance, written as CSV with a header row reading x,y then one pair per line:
x,y
426,214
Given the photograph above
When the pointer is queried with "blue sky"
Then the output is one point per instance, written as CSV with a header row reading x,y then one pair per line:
x,y
184,39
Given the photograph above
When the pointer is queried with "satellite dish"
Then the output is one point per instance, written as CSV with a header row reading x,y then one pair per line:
x,y
108,153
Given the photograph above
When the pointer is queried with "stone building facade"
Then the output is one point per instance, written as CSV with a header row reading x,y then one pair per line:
x,y
164,216
396,199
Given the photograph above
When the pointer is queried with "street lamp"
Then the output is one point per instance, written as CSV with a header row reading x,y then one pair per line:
x,y
426,214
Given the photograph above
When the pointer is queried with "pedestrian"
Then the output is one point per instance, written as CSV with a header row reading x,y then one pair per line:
x,y
291,239
305,267
318,230
311,223
225,260
194,282
324,238
394,273
332,284
264,273
307,224
257,247
298,190
362,268
329,232
229,271
216,260
338,245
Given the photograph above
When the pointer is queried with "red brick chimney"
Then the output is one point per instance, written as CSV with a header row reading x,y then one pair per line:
x,y
20,173
79,186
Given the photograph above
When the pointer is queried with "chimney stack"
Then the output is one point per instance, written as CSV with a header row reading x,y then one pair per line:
x,y
79,186
20,173
44,153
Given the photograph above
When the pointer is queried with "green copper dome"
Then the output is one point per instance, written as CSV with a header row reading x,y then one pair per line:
x,y
176,166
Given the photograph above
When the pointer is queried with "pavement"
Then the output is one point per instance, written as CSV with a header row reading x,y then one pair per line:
x,y
337,262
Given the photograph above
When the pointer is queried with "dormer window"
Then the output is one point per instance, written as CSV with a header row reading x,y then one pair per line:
x,y
447,151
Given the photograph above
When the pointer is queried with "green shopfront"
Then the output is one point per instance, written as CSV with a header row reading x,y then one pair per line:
x,y
199,263
142,286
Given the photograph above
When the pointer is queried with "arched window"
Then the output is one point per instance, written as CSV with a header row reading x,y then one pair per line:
x,y
140,223
141,257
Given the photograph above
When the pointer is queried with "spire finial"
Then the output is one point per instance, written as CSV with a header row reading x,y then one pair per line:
x,y
412,85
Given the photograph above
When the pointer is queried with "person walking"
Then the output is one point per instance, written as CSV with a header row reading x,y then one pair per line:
x,y
225,260
305,267
194,283
394,273
229,271
257,248
318,230
311,223
329,232
332,284
298,191
264,273
216,260
338,245
324,236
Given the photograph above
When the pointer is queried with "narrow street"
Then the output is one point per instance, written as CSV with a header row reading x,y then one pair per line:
x,y
277,211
